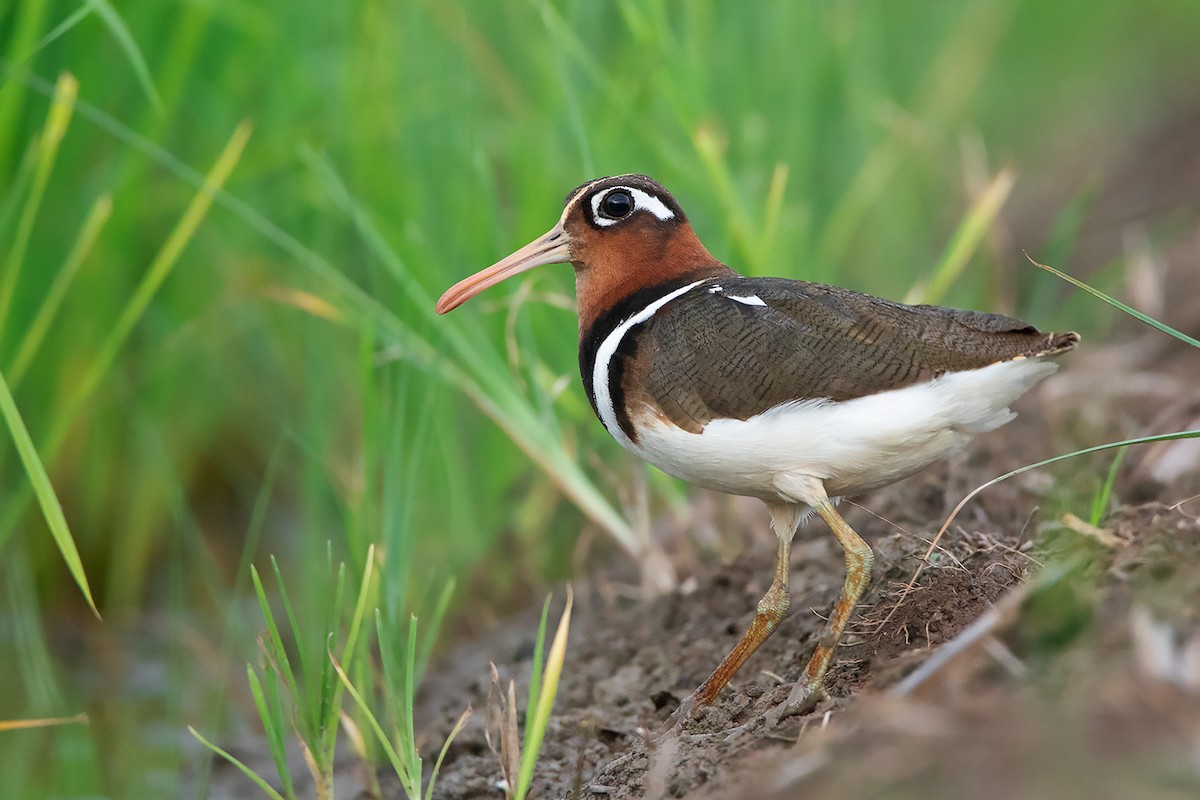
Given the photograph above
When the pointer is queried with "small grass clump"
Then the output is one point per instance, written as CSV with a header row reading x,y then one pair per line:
x,y
519,754
311,688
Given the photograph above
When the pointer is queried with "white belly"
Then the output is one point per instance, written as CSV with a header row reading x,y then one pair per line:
x,y
850,446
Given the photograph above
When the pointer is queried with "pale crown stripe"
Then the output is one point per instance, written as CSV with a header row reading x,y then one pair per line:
x,y
604,354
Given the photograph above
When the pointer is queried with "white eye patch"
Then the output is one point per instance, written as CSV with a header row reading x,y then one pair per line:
x,y
641,202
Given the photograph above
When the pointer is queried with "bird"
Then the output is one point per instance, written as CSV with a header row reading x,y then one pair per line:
x,y
793,392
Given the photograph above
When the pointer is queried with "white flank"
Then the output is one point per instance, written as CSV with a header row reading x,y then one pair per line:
x,y
847,447
604,354
641,202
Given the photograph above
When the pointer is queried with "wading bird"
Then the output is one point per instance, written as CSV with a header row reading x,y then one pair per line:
x,y
793,392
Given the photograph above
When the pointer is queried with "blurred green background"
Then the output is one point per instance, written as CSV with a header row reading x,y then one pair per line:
x,y
266,376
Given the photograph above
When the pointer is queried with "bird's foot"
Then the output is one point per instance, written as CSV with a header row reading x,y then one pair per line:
x,y
804,698
684,712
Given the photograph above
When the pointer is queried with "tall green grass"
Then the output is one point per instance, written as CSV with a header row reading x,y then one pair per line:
x,y
213,364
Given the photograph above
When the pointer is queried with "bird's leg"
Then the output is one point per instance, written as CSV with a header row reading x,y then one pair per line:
x,y
810,688
772,609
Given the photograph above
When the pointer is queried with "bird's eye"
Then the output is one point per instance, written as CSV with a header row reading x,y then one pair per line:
x,y
617,204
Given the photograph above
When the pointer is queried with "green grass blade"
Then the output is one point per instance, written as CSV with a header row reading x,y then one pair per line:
x,y
432,627
278,653
398,763
249,773
328,688
76,17
864,190
772,213
712,155
408,694
1103,495
360,607
33,669
966,240
20,43
535,727
47,499
535,674
18,185
120,31
409,782
306,713
270,712
437,765
61,108
35,334
403,702
1112,301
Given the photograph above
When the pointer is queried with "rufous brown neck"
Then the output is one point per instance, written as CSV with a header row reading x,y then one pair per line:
x,y
611,267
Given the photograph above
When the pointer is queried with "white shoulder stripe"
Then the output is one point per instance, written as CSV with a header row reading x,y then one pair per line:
x,y
749,300
604,354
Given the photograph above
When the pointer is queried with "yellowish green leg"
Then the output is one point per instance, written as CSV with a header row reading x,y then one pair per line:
x,y
810,689
772,609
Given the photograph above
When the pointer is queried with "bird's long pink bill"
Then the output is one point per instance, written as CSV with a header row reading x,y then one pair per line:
x,y
552,248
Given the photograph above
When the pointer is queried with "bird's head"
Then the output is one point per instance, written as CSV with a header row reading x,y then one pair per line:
x,y
621,233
